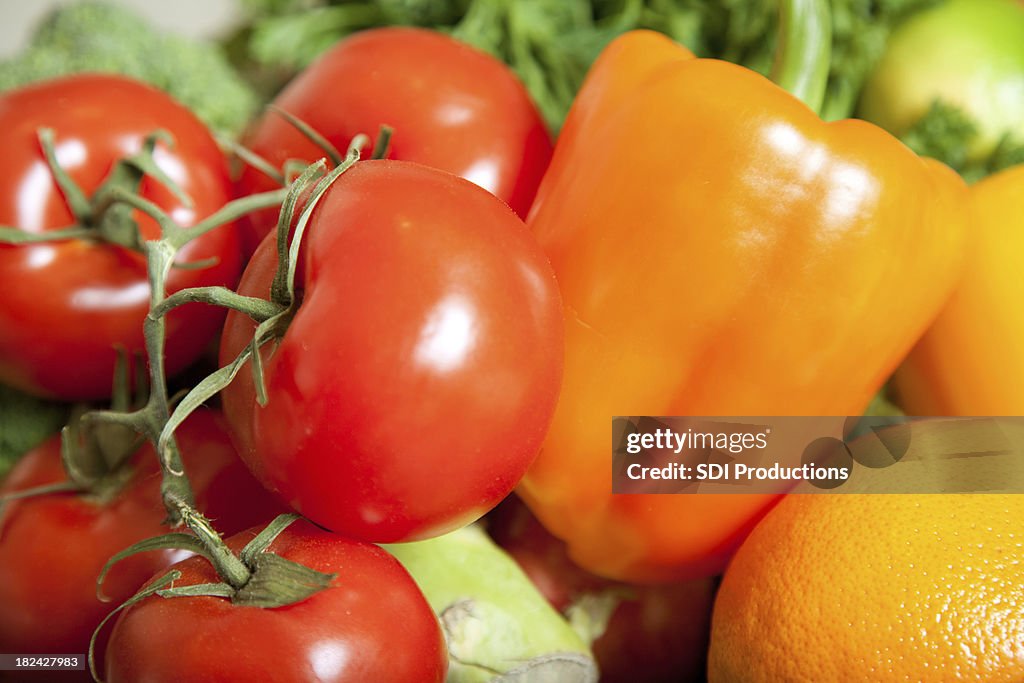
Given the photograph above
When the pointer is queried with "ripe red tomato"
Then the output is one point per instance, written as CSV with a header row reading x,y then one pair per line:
x,y
69,305
417,379
451,107
52,547
371,624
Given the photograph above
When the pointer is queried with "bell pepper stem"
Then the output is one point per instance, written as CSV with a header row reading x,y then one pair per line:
x,y
804,50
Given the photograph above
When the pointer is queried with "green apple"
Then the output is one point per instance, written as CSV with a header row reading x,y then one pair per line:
x,y
968,54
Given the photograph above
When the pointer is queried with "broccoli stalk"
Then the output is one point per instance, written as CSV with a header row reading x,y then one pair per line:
x,y
98,37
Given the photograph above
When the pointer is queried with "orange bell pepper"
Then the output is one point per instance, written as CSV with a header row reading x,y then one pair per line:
x,y
721,251
971,361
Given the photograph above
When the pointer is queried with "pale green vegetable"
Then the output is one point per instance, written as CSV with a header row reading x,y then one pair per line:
x,y
952,83
498,626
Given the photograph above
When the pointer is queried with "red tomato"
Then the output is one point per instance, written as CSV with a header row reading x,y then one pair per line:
x,y
417,379
451,107
52,547
656,634
69,305
371,624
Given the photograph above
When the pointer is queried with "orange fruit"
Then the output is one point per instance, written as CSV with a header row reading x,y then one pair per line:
x,y
876,588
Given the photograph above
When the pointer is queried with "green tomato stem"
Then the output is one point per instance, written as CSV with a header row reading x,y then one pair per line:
x,y
229,566
254,307
10,235
175,487
227,214
77,202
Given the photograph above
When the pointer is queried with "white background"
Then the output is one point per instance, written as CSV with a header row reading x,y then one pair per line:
x,y
202,18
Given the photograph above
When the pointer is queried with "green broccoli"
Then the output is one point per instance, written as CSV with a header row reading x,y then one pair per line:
x,y
97,37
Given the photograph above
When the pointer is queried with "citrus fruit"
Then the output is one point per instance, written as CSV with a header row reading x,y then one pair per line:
x,y
876,588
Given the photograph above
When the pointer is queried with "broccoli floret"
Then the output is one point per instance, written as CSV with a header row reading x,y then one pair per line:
x,y
98,37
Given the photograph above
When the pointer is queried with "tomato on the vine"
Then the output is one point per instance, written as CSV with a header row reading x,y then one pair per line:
x,y
451,106
371,624
418,376
53,546
69,305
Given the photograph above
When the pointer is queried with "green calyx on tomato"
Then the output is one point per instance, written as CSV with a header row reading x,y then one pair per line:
x,y
372,623
76,285
96,456
101,217
52,547
952,83
253,577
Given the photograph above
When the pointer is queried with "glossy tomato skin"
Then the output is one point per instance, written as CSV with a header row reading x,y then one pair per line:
x,y
371,624
68,305
52,547
416,382
451,106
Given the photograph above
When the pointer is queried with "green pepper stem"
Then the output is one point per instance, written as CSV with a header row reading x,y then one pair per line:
x,y
804,51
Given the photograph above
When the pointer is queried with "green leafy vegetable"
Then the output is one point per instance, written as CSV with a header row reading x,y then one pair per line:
x,y
98,37
25,422
944,133
948,133
551,43
295,33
